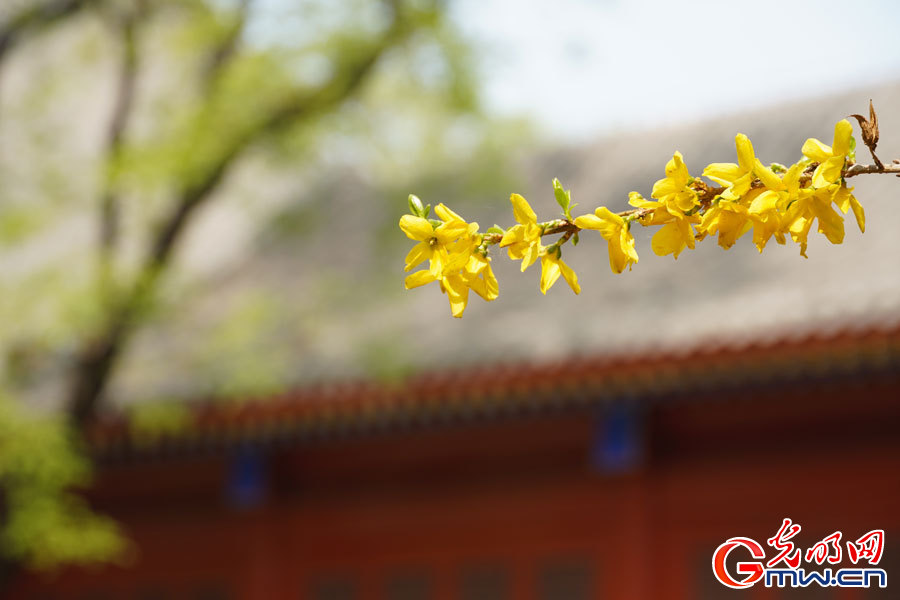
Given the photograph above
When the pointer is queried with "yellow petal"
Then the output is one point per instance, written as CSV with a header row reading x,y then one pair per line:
x,y
517,251
439,258
418,278
723,173
765,202
841,198
767,176
747,226
419,254
739,187
549,273
416,228
828,172
845,200
476,264
450,230
627,241
457,293
530,255
638,201
617,259
732,225
685,200
816,150
611,222
522,210
590,222
668,240
662,215
687,233
859,213
761,234
830,223
604,221
492,288
621,252
478,286
791,179
799,232
456,261
799,225
606,215
665,187
746,158
570,277
710,221
532,233
677,170
512,235
843,131
445,214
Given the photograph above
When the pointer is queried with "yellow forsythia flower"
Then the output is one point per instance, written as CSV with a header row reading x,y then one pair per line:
x,y
675,198
845,200
816,205
737,177
831,159
614,229
462,275
457,292
767,209
676,233
552,267
524,239
729,219
433,241
480,266
456,263
766,217
673,191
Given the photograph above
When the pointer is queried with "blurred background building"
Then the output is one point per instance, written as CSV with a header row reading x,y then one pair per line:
x,y
201,302
596,477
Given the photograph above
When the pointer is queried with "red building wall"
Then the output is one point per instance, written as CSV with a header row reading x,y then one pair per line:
x,y
516,506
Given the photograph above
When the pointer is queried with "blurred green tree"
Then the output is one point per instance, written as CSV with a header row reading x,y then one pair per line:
x,y
135,115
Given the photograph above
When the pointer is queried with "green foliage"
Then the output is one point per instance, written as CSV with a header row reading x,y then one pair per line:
x,y
563,198
151,420
45,523
203,107
416,207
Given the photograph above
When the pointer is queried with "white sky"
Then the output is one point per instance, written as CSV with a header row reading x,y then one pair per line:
x,y
584,67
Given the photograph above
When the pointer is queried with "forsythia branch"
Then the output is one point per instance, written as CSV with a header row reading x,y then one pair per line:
x,y
771,201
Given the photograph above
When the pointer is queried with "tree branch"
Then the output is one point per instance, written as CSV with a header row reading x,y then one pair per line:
x,y
122,109
705,195
95,363
230,43
35,18
859,169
